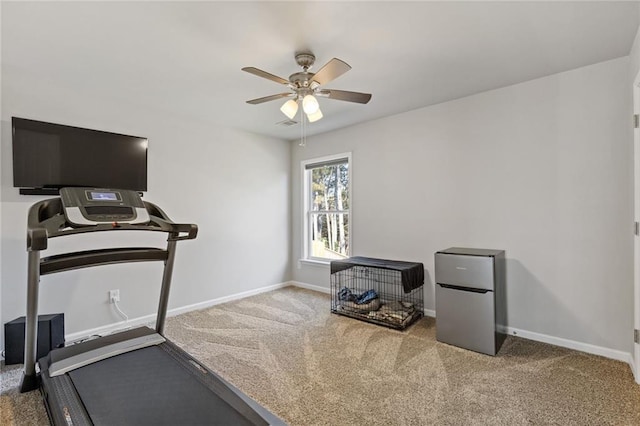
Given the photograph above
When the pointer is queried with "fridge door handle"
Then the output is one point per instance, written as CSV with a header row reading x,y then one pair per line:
x,y
460,288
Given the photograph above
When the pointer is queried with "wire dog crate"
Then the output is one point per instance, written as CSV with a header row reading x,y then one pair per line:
x,y
383,292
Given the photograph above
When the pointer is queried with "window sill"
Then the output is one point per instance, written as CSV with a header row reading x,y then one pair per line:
x,y
316,263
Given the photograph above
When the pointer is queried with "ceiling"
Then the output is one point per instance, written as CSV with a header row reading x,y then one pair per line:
x,y
186,57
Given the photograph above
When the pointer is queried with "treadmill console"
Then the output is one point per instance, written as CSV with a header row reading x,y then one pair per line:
x,y
93,206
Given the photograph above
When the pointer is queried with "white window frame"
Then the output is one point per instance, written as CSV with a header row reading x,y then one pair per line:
x,y
306,204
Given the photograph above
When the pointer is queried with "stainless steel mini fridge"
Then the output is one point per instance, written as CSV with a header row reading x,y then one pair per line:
x,y
470,298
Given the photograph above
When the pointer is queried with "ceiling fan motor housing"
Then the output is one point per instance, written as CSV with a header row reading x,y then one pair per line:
x,y
301,80
305,60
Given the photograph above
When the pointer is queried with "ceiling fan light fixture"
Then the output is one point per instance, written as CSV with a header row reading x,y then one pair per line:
x,y
315,116
290,108
310,104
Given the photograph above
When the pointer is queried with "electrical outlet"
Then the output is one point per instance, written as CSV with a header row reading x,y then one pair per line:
x,y
114,296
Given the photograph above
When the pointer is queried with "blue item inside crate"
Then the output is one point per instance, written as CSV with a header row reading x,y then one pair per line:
x,y
346,294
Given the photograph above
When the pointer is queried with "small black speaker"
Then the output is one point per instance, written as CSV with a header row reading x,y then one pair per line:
x,y
50,336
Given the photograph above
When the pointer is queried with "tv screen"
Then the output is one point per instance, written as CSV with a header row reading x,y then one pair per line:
x,y
51,156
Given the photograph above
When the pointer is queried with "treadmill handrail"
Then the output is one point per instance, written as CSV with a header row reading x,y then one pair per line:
x,y
88,258
46,220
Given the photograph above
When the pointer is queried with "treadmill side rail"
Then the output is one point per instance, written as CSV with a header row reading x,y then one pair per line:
x,y
65,365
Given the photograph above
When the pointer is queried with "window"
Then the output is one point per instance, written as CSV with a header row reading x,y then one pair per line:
x,y
327,204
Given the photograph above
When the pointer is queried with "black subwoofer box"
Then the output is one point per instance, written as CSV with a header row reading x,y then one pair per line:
x,y
50,336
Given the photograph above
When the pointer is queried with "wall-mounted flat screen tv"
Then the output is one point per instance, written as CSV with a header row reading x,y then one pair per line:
x,y
47,157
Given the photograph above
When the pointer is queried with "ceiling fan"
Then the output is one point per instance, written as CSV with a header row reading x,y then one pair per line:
x,y
305,86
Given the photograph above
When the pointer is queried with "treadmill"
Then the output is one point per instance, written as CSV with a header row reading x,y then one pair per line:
x,y
135,377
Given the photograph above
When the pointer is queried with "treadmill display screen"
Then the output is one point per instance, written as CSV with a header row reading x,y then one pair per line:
x,y
104,196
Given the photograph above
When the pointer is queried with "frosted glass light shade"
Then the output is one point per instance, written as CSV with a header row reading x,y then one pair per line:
x,y
310,104
290,108
315,116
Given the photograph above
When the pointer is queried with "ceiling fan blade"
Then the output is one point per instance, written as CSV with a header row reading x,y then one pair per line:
x,y
330,71
270,98
343,95
264,74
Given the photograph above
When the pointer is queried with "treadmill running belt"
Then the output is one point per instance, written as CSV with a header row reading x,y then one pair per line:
x,y
147,387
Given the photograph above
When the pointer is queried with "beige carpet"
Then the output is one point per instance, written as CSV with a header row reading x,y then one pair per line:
x,y
310,367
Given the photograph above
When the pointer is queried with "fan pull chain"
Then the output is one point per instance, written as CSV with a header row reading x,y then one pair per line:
x,y
303,136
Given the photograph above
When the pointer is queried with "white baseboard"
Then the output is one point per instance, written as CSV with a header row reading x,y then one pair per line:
x,y
146,319
107,329
429,313
224,299
310,286
557,341
572,344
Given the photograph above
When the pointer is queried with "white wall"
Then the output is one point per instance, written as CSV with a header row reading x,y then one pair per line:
x,y
542,169
233,184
